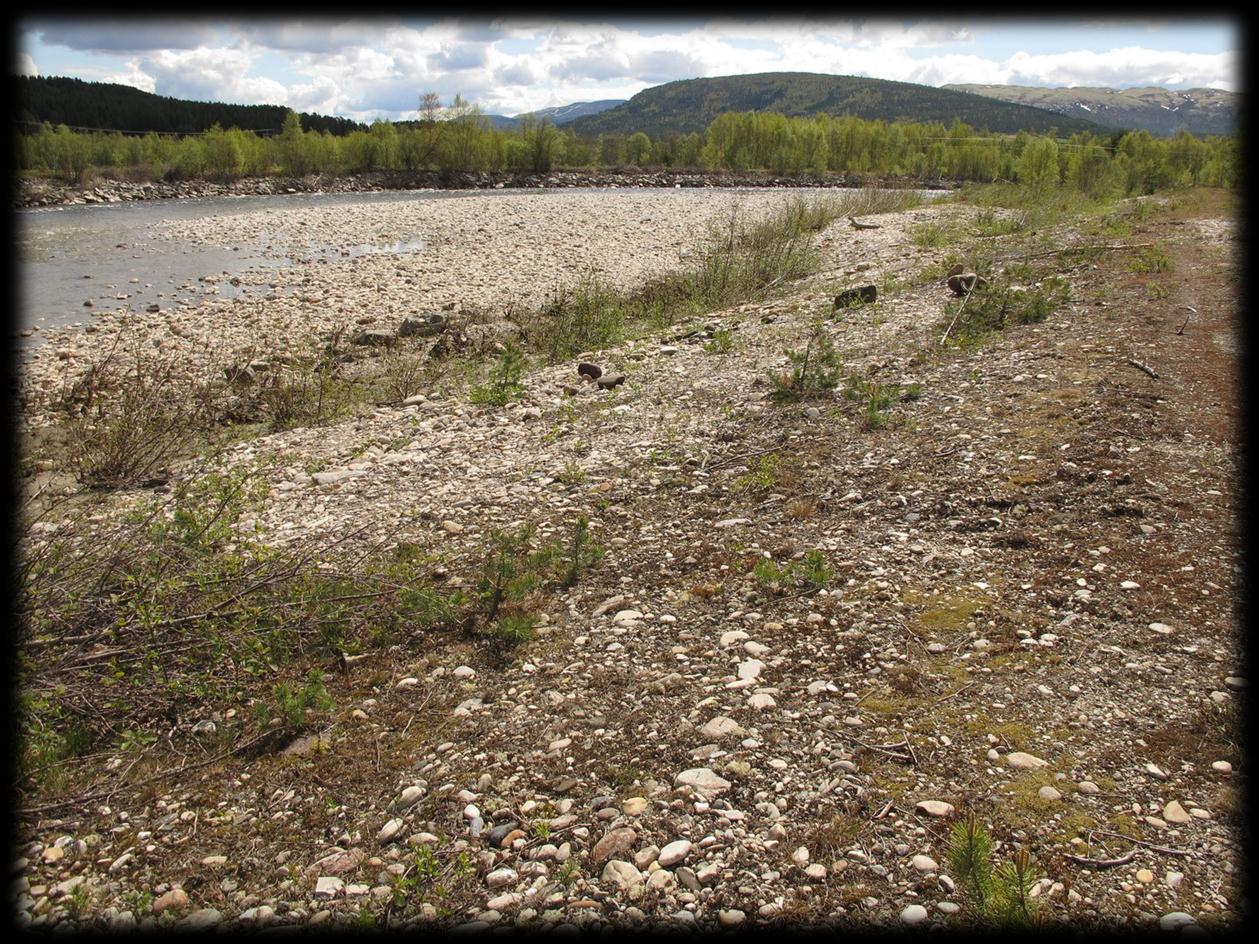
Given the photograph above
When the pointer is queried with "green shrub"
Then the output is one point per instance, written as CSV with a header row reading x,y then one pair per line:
x,y
999,895
505,376
814,371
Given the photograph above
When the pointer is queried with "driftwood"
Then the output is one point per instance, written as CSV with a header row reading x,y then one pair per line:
x,y
1103,863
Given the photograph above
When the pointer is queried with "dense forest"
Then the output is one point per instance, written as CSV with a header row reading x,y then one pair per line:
x,y
105,105
458,138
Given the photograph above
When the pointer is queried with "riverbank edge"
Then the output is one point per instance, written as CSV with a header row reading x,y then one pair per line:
x,y
34,192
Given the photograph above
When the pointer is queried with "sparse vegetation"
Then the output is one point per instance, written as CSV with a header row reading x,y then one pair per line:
x,y
996,895
814,370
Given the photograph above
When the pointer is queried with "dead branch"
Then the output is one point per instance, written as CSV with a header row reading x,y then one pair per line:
x,y
1103,863
1141,367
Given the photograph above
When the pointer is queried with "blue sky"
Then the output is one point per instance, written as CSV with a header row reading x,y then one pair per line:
x,y
379,67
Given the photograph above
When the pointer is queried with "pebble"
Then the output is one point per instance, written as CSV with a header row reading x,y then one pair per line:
x,y
617,842
703,779
175,898
924,863
1175,920
1024,761
674,852
934,807
328,886
1174,813
913,914
201,919
730,917
500,877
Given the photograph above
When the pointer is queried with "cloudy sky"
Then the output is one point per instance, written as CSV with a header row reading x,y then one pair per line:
x,y
370,68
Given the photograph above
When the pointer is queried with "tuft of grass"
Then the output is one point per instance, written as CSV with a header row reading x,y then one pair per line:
x,y
1153,258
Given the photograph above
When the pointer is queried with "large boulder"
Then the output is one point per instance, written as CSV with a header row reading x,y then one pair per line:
x,y
851,297
374,337
425,325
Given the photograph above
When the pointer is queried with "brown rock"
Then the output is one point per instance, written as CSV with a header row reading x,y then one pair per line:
x,y
616,842
175,898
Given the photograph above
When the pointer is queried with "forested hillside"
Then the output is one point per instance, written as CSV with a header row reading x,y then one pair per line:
x,y
115,107
691,104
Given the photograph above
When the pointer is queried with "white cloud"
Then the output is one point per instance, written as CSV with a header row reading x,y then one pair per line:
x,y
25,65
365,68
1123,68
211,75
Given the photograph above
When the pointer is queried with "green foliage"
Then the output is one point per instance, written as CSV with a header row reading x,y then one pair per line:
x,y
810,571
814,370
294,706
763,477
781,129
722,342
1003,303
1153,258
873,398
1000,895
514,572
504,385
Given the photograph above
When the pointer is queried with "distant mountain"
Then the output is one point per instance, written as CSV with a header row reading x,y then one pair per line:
x,y
1157,110
563,114
501,122
115,107
691,104
557,115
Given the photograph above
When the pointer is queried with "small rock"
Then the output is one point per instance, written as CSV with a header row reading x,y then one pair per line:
x,y
914,914
1024,761
500,877
608,381
934,807
1174,813
1175,920
702,779
200,919
616,842
175,898
674,852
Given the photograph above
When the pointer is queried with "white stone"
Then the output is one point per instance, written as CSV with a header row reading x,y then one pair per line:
x,y
1025,761
674,852
702,779
914,914
924,863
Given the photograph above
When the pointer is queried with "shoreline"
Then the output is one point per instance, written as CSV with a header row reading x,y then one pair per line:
x,y
482,258
33,193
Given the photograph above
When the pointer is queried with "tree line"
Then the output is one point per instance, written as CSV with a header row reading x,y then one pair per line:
x,y
458,138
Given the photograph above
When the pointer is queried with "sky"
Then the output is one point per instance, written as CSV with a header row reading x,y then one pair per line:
x,y
379,67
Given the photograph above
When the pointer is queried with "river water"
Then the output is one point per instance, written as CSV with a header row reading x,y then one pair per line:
x,y
116,256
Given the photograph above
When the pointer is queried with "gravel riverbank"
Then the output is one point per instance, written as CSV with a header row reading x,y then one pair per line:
x,y
1026,609
478,253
